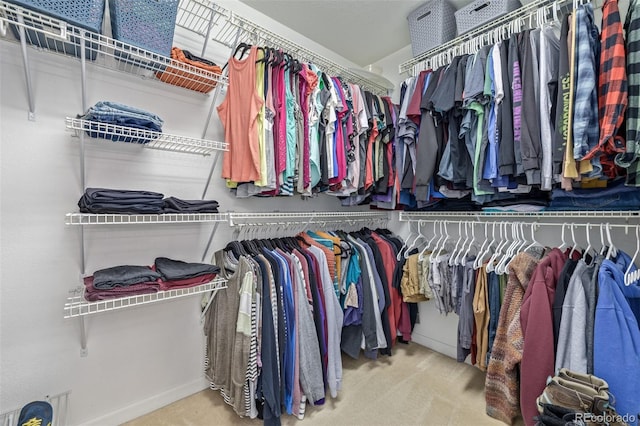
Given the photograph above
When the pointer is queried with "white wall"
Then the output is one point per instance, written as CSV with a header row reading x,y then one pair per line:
x,y
138,359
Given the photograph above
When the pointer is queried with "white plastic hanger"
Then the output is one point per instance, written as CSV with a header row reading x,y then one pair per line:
x,y
502,261
612,249
443,243
481,250
589,247
463,246
573,239
455,248
631,277
406,241
415,240
426,247
463,259
534,243
564,243
603,248
498,251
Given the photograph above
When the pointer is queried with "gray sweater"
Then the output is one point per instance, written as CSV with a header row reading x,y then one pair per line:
x,y
572,338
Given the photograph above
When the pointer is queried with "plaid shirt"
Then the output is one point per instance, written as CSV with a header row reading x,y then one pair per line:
x,y
630,159
612,89
585,107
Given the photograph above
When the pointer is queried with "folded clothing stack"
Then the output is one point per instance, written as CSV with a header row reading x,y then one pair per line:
x,y
122,201
179,77
131,280
105,112
100,200
178,274
121,281
616,196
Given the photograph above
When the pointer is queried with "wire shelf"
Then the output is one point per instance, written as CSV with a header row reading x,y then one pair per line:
x,y
195,15
147,138
59,403
416,216
450,47
291,220
56,36
137,219
77,306
207,19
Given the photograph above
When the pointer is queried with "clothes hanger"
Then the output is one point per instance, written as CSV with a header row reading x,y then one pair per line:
x,y
534,243
426,247
459,260
630,277
573,239
586,250
413,243
405,245
564,243
603,248
491,265
481,253
612,249
455,248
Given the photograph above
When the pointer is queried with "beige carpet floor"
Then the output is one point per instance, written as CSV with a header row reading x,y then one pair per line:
x,y
416,386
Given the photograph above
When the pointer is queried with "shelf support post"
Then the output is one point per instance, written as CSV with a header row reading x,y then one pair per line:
x,y
27,69
213,166
213,232
83,337
206,37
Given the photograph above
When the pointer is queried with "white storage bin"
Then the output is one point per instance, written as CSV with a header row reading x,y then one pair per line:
x,y
482,11
431,25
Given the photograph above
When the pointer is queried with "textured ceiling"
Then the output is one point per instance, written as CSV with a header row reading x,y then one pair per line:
x,y
363,31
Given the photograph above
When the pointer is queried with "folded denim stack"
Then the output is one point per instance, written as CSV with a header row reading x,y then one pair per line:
x,y
121,281
105,112
178,274
616,196
178,77
120,201
176,205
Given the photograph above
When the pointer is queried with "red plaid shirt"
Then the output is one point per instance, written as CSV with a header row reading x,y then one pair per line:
x,y
612,89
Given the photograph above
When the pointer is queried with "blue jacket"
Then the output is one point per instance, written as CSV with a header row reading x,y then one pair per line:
x,y
617,335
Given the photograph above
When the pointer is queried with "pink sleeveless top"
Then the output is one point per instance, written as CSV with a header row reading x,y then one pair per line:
x,y
239,115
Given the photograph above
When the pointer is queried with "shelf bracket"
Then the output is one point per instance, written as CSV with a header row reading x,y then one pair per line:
x,y
27,70
213,232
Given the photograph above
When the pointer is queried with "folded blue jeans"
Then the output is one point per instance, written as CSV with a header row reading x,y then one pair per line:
x,y
615,197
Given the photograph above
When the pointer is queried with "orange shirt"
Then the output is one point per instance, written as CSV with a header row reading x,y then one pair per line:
x,y
239,115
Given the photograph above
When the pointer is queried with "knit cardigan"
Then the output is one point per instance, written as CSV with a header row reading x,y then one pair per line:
x,y
501,387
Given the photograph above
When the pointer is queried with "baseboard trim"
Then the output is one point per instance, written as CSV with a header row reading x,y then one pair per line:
x,y
436,345
148,405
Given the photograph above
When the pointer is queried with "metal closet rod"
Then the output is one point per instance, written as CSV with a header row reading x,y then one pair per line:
x,y
536,224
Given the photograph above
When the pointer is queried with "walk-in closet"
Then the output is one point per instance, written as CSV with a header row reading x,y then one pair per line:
x,y
357,212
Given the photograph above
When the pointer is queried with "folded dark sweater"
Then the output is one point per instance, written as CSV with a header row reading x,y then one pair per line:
x,y
176,205
118,201
173,270
123,276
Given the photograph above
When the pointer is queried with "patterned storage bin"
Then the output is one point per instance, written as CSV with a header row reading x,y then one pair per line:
x,y
482,11
148,24
431,25
86,14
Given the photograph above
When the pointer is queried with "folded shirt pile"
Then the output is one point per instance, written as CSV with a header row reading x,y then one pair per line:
x,y
122,201
132,280
105,112
176,75
178,274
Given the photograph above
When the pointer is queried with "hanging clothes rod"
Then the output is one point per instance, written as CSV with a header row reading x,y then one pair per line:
x,y
587,225
536,12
